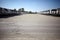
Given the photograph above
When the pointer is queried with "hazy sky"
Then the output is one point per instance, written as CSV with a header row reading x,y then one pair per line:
x,y
33,5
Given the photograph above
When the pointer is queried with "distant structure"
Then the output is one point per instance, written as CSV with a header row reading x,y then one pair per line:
x,y
58,10
52,11
21,10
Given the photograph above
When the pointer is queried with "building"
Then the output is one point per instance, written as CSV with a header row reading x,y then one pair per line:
x,y
54,11
58,10
8,11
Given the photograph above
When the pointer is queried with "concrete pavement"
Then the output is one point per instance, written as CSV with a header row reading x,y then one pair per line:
x,y
30,27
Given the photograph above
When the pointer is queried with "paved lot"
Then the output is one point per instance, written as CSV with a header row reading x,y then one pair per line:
x,y
30,27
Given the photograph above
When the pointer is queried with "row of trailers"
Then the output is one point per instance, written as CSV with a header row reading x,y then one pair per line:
x,y
52,12
4,11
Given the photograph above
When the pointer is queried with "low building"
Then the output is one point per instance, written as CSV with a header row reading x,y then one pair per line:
x,y
53,11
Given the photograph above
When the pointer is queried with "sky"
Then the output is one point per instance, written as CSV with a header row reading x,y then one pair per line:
x,y
30,5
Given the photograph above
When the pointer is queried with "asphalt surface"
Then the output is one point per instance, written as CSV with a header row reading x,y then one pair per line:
x,y
30,27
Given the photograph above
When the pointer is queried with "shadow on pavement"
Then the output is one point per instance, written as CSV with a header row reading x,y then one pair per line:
x,y
54,15
8,15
